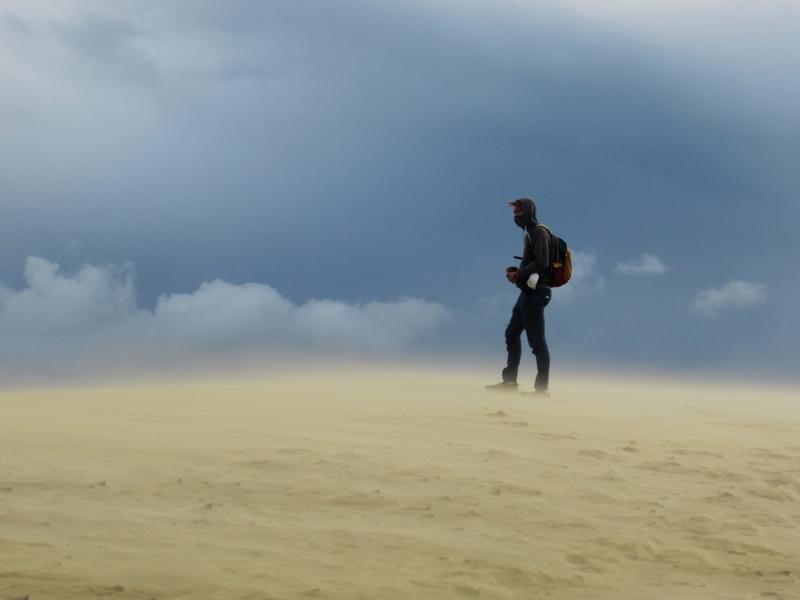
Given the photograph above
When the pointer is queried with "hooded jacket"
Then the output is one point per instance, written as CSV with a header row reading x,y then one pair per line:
x,y
536,249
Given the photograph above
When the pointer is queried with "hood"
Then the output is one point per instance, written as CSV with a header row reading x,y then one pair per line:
x,y
528,216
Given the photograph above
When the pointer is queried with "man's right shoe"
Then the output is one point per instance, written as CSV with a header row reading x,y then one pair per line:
x,y
503,386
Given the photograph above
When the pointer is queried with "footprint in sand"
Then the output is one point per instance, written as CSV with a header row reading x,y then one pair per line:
x,y
361,500
313,592
515,423
499,413
583,562
107,590
466,591
495,453
509,488
593,453
776,495
665,466
302,451
723,498
553,436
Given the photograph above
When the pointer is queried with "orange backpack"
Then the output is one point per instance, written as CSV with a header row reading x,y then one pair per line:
x,y
560,260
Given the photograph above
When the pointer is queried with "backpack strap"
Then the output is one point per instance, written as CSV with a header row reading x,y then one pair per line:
x,y
553,243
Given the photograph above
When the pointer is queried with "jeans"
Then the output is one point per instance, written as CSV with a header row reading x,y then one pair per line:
x,y
528,315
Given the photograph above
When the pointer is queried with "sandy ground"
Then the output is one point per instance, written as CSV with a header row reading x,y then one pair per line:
x,y
399,485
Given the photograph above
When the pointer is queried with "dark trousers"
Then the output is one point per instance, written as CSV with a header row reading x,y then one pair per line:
x,y
528,316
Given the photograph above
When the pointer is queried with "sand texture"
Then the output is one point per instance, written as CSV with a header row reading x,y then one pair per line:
x,y
399,485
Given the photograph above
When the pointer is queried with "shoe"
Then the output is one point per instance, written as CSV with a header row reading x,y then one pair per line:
x,y
537,393
503,386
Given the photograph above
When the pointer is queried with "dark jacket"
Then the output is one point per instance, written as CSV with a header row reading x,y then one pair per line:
x,y
537,247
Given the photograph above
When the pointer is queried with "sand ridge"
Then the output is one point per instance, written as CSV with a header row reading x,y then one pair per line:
x,y
394,484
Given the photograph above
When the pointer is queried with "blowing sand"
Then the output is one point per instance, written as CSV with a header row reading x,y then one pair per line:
x,y
399,485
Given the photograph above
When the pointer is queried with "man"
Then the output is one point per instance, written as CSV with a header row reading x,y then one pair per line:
x,y
531,277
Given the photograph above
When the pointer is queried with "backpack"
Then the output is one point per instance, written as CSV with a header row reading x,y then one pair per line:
x,y
560,260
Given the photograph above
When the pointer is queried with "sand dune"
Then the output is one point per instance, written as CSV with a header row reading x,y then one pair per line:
x,y
399,484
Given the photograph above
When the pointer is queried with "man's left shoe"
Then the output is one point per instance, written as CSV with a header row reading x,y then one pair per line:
x,y
503,386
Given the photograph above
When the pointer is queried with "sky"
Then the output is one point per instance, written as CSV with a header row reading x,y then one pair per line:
x,y
184,179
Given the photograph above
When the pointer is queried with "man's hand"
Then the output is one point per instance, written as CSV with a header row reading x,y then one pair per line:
x,y
511,274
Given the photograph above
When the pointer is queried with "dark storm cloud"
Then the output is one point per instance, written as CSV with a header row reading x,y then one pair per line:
x,y
108,44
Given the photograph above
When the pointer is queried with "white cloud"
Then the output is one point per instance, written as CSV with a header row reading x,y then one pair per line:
x,y
646,264
736,294
53,304
584,279
87,322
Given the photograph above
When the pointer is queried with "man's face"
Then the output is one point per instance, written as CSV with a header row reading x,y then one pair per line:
x,y
517,210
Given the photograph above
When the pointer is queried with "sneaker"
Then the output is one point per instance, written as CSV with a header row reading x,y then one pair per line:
x,y
537,393
503,386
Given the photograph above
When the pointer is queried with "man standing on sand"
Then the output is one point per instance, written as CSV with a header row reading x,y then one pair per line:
x,y
531,277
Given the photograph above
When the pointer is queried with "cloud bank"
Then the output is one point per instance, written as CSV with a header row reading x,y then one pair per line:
x,y
87,322
736,294
646,264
